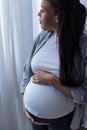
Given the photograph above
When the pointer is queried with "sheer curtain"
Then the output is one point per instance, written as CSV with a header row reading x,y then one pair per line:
x,y
16,35
36,26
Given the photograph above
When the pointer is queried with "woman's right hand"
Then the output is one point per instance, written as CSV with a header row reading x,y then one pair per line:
x,y
29,117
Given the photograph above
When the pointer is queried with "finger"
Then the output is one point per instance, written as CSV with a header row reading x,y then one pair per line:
x,y
36,80
26,113
40,123
28,116
35,76
37,72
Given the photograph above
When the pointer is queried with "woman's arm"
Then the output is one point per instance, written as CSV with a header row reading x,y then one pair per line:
x,y
64,89
43,77
27,72
79,94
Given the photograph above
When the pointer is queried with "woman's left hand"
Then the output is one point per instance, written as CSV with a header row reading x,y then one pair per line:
x,y
46,78
42,77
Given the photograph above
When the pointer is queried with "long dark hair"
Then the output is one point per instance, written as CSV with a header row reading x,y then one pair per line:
x,y
71,20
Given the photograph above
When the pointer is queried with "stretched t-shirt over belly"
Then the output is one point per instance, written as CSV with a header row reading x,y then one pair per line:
x,y
45,101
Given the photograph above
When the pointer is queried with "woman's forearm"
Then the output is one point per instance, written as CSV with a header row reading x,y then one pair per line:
x,y
46,78
64,89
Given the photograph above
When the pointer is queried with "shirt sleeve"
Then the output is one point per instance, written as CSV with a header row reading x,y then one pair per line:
x,y
27,71
79,93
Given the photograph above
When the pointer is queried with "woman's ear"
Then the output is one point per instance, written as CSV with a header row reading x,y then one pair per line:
x,y
56,19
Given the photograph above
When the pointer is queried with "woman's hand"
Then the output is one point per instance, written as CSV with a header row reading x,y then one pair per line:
x,y
46,78
30,117
42,77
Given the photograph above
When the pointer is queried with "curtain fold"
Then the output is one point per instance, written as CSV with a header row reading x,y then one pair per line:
x,y
16,36
36,8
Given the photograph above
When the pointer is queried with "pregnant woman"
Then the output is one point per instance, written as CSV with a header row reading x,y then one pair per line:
x,y
55,75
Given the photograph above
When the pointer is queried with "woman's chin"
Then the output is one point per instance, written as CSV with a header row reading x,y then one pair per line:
x,y
42,27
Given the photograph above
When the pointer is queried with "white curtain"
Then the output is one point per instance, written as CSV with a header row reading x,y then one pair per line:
x,y
16,35
36,8
18,26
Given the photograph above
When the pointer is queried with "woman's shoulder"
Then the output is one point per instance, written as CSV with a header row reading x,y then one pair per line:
x,y
42,35
45,33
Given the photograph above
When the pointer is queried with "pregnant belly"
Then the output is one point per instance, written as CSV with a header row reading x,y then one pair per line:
x,y
46,102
